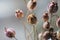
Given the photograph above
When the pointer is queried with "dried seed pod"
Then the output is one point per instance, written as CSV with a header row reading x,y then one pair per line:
x,y
45,17
54,36
10,32
47,35
32,19
58,22
46,25
19,13
31,5
53,7
58,34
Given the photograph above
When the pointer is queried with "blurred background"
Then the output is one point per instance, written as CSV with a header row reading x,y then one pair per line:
x,y
8,19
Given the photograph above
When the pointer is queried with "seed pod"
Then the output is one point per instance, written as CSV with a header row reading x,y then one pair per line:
x,y
46,35
19,14
32,19
58,22
53,7
46,25
45,17
10,32
54,36
31,5
58,34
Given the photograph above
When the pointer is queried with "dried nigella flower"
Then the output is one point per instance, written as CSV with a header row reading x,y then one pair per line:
x,y
53,7
58,22
19,13
47,35
10,32
31,5
54,36
45,17
32,19
46,25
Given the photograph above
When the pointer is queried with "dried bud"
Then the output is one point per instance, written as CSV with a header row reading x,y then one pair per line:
x,y
10,32
45,17
19,14
46,35
46,25
53,7
31,5
32,19
58,22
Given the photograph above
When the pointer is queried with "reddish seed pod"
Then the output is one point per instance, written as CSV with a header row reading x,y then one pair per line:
x,y
53,7
10,32
58,22
31,5
32,19
46,25
19,14
46,35
45,17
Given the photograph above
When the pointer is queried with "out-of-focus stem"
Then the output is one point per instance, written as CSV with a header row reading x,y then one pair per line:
x,y
25,29
25,2
35,33
15,38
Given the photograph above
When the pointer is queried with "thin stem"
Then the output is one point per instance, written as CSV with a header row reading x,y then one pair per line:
x,y
15,38
35,33
25,30
25,2
50,19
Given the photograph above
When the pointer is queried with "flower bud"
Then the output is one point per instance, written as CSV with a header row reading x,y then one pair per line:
x,y
10,32
31,5
32,19
19,14
53,7
46,25
45,17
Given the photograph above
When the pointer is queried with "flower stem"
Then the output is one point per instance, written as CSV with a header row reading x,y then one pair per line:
x,y
15,38
35,33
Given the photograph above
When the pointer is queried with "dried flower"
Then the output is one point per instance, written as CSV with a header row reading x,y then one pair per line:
x,y
32,19
47,35
45,17
31,5
53,7
19,13
46,25
10,32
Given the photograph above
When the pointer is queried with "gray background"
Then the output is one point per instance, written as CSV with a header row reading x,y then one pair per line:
x,y
8,19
